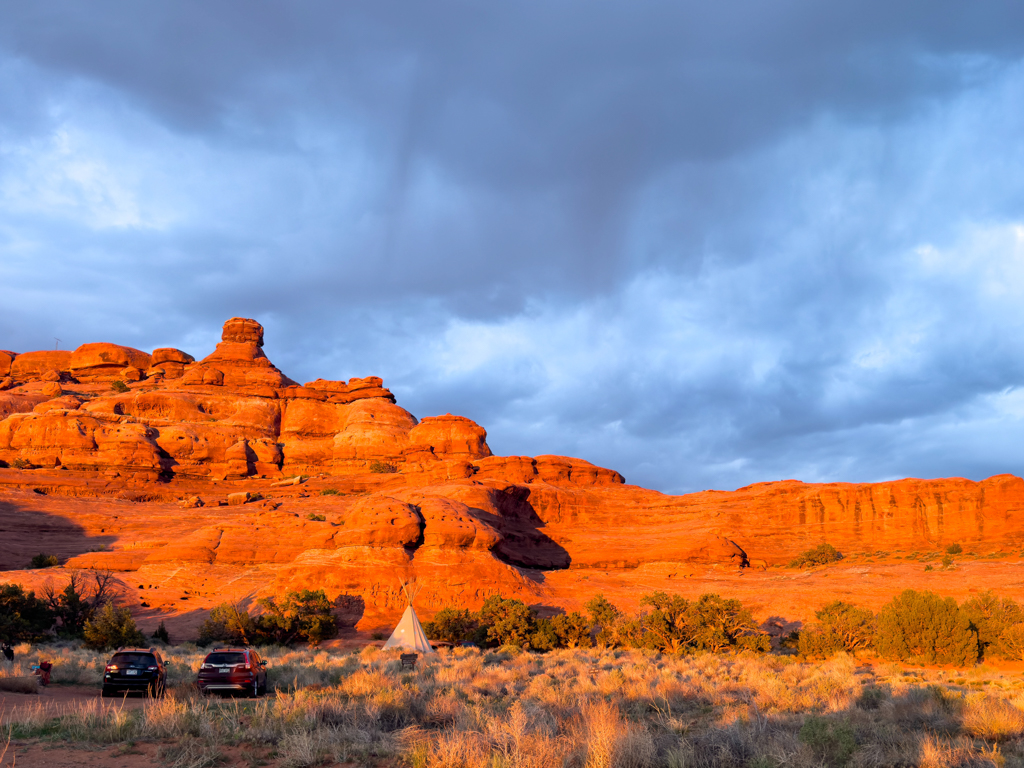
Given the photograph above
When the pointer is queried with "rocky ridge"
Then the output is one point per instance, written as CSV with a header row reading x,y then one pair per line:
x,y
84,433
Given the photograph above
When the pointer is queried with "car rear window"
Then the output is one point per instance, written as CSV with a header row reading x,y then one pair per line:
x,y
133,659
226,658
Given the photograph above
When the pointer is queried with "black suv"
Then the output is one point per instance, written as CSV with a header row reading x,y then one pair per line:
x,y
233,669
135,669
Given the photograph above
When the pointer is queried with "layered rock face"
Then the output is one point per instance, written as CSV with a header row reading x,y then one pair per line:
x,y
231,414
389,495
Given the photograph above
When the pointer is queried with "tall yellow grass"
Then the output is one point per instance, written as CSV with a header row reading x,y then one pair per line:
x,y
582,708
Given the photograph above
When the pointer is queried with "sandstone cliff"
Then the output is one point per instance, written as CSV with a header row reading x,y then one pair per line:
x,y
124,460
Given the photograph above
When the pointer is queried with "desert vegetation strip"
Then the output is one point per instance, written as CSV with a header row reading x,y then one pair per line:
x,y
581,707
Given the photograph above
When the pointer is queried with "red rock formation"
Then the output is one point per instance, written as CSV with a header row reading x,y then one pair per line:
x,y
405,497
31,366
105,362
6,359
232,414
169,363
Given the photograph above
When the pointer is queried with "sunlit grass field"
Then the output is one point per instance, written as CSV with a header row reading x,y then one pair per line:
x,y
589,708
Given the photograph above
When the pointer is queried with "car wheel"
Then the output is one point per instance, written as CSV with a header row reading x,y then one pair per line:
x,y
107,692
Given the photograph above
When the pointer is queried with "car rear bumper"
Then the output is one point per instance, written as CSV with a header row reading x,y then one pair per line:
x,y
131,685
225,686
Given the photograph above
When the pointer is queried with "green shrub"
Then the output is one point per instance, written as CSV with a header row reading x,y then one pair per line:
x,y
452,625
161,634
79,601
841,627
119,386
871,697
717,623
305,615
820,555
330,492
572,630
229,624
947,562
675,624
23,616
544,637
44,561
605,616
832,742
315,517
507,622
382,468
301,616
954,549
925,628
20,463
991,616
112,628
1011,642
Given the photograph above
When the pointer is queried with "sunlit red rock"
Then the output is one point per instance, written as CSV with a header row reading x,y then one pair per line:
x,y
169,362
105,362
345,490
30,366
6,360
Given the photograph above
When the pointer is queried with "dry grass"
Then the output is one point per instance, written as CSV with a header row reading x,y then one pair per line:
x,y
991,717
578,709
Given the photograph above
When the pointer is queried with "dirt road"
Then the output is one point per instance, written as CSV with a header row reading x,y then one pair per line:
x,y
55,697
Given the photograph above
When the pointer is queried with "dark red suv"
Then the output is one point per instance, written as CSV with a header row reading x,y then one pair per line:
x,y
135,669
233,670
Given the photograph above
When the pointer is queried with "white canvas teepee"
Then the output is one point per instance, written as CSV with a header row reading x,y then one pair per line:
x,y
409,633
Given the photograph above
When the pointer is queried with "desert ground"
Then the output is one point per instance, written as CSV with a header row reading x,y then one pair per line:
x,y
584,707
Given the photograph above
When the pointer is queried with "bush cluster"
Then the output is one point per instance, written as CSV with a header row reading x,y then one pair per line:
x,y
820,555
81,607
665,622
921,627
305,616
112,628
23,616
918,627
43,560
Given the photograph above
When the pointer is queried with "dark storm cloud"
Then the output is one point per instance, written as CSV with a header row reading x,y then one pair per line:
x,y
704,243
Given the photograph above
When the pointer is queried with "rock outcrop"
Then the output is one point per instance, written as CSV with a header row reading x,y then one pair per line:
x,y
215,454
105,362
234,414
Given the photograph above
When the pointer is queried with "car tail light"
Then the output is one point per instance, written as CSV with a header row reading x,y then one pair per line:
x,y
111,668
150,668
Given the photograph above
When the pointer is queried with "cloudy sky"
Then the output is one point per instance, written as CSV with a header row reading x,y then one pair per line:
x,y
706,244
